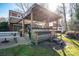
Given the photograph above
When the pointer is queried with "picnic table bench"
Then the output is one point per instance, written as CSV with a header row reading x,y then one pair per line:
x,y
9,35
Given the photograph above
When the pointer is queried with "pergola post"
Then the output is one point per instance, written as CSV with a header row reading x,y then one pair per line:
x,y
47,24
36,40
56,27
31,19
31,25
23,28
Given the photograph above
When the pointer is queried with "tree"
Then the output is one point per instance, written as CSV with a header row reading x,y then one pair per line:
x,y
62,11
74,14
4,26
70,22
23,7
77,11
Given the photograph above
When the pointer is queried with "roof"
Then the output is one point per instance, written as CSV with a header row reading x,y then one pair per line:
x,y
41,14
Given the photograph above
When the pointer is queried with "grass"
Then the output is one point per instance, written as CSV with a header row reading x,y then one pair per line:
x,y
23,50
72,47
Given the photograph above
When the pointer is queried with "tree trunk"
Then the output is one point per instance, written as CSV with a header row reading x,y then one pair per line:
x,y
64,13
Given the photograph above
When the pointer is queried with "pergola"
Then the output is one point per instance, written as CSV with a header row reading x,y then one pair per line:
x,y
40,15
36,15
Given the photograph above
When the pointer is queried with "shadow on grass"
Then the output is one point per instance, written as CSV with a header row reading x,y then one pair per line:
x,y
64,52
75,43
24,50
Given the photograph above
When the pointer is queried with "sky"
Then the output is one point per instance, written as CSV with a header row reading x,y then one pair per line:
x,y
5,7
53,7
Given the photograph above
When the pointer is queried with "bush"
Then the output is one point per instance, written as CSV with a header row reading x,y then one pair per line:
x,y
71,34
4,26
77,35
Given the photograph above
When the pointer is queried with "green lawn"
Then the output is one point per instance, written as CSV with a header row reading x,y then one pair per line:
x,y
72,48
23,50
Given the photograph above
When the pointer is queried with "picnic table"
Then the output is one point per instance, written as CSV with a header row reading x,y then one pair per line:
x,y
9,35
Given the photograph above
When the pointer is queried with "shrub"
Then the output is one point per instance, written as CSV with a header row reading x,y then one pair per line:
x,y
71,34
